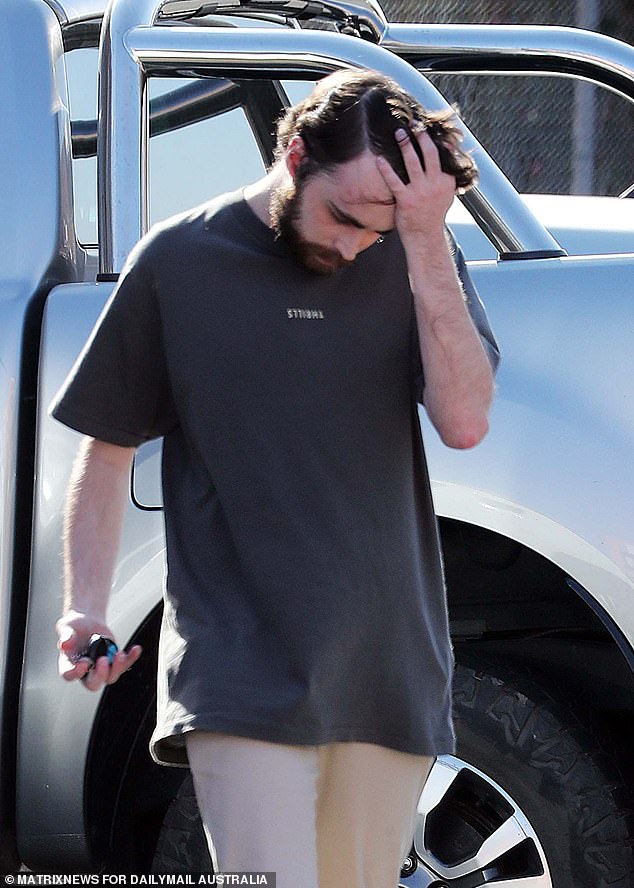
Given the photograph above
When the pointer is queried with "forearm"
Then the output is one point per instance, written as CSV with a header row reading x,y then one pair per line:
x,y
95,506
457,372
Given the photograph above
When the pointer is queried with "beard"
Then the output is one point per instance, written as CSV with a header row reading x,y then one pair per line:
x,y
285,211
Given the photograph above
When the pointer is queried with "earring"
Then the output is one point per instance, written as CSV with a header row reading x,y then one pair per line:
x,y
379,239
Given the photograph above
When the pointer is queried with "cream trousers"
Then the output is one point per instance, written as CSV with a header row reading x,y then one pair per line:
x,y
335,816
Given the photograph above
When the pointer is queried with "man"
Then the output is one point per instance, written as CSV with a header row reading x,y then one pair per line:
x,y
279,339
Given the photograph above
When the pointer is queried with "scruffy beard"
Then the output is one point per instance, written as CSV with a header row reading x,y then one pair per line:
x,y
285,211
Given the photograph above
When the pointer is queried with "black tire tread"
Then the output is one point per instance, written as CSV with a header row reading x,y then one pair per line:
x,y
560,743
182,845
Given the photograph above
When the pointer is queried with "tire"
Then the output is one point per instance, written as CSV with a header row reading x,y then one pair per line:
x,y
182,845
529,778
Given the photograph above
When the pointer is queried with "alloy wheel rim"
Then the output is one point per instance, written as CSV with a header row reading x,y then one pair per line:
x,y
470,833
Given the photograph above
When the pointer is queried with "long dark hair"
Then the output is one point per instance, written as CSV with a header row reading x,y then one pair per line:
x,y
353,110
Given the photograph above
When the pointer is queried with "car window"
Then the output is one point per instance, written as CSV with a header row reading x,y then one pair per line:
x,y
192,164
187,165
81,71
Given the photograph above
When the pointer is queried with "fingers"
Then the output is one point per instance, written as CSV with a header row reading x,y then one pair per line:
x,y
429,151
421,204
123,661
413,165
420,172
70,669
390,178
73,667
105,673
66,636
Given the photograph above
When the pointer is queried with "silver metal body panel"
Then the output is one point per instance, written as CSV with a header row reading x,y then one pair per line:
x,y
54,739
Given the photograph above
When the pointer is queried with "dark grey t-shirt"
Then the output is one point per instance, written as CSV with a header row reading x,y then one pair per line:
x,y
305,600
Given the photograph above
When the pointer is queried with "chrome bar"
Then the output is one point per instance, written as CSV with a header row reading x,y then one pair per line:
x,y
170,111
121,150
602,59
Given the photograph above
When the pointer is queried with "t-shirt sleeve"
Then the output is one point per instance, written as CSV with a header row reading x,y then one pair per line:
x,y
118,391
478,315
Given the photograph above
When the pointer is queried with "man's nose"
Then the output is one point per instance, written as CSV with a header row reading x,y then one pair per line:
x,y
351,242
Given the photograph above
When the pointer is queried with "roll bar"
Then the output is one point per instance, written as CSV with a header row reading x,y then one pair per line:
x,y
134,47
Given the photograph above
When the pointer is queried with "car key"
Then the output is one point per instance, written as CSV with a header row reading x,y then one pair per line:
x,y
99,646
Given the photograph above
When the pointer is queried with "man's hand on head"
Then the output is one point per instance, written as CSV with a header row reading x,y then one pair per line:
x,y
422,204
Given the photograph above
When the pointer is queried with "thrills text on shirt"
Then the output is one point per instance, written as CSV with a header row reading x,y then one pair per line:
x,y
308,314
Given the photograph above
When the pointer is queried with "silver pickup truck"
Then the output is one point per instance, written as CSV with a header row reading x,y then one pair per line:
x,y
537,523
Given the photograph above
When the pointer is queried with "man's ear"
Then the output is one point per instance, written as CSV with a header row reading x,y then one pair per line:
x,y
295,153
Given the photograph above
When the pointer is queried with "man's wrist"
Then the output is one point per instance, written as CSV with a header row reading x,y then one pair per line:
x,y
426,242
84,610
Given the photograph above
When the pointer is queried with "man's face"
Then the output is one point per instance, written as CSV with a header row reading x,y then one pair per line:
x,y
328,219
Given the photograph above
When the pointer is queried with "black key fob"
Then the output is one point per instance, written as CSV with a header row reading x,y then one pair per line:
x,y
100,646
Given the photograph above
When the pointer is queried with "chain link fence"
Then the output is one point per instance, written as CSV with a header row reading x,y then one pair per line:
x,y
548,134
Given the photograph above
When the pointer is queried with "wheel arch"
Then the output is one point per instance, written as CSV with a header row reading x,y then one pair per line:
x,y
498,586
511,603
